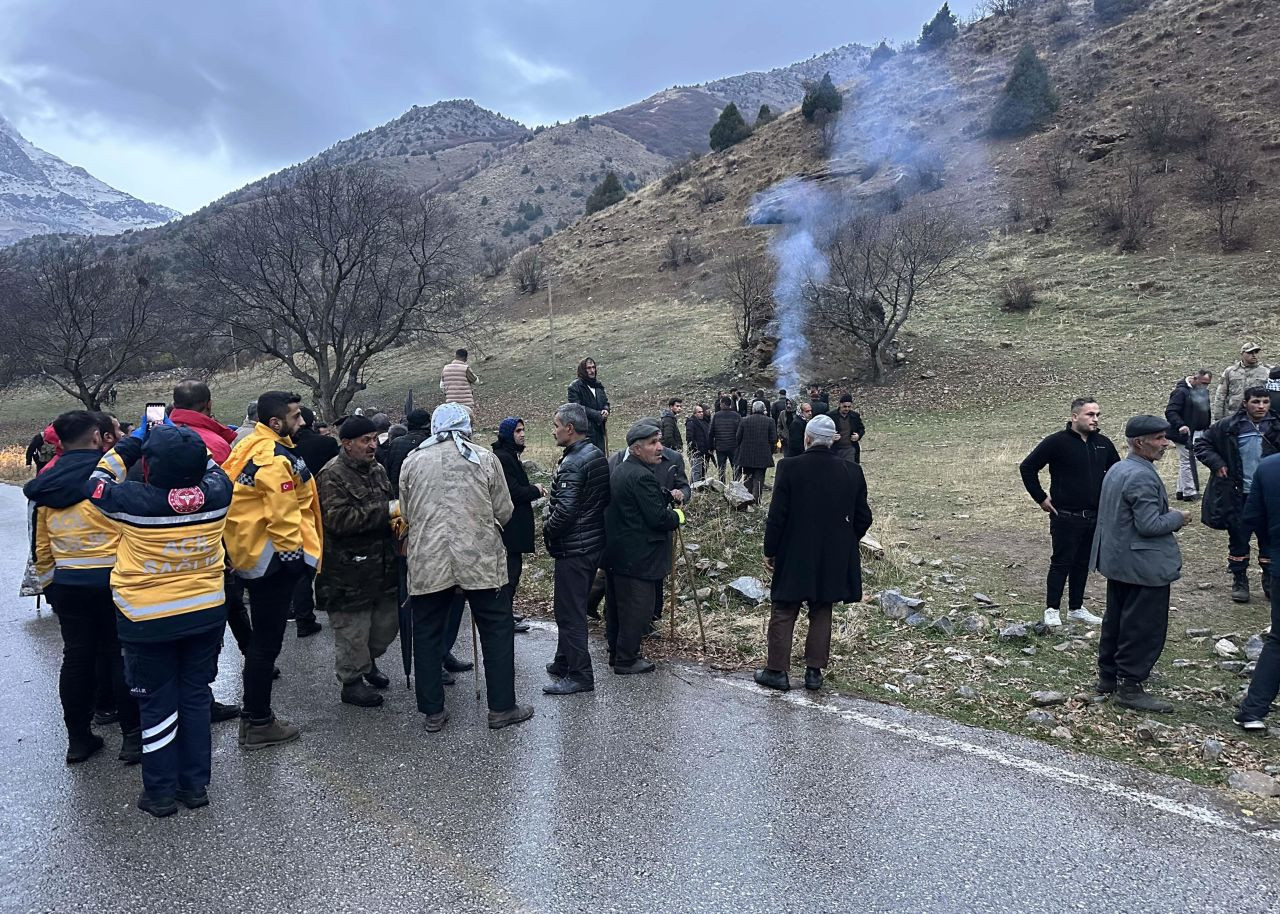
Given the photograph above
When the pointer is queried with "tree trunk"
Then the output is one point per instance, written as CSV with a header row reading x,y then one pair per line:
x,y
876,351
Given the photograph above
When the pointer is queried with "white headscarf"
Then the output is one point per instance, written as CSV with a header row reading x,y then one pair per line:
x,y
452,420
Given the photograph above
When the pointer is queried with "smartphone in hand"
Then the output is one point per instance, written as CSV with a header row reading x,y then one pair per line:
x,y
154,414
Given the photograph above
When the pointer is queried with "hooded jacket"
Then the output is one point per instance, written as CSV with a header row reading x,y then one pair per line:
x,y
168,574
72,543
517,535
216,436
274,521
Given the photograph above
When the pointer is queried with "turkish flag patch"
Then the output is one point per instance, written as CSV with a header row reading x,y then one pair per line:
x,y
286,486
99,489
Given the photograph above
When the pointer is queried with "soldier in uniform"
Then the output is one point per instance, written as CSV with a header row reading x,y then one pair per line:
x,y
358,584
1237,378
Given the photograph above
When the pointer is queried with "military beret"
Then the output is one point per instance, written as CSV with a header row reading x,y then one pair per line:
x,y
1144,425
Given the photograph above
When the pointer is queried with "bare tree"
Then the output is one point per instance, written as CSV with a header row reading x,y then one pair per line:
x,y
1219,183
529,270
494,259
1128,208
324,275
880,264
79,319
748,278
1057,159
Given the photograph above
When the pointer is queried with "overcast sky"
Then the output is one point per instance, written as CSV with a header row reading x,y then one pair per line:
x,y
181,102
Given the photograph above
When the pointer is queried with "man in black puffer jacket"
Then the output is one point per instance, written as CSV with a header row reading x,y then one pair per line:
x,y
517,536
573,527
419,422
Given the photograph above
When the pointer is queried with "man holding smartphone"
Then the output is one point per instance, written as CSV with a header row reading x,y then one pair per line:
x,y
273,537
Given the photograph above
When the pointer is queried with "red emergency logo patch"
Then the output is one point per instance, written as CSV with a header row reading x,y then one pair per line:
x,y
186,501
286,486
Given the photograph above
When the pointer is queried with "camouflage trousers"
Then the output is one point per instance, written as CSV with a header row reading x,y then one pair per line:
x,y
360,638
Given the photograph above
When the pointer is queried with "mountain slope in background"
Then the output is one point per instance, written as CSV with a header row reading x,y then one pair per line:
x,y
40,194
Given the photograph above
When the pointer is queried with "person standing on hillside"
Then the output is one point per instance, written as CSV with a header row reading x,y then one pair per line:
x,y
574,530
1135,550
1262,516
1232,449
1236,379
670,425
589,393
697,430
457,380
754,455
517,535
1077,457
724,436
818,513
849,431
274,536
1188,414
795,429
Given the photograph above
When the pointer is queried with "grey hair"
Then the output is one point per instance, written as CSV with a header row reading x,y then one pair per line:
x,y
575,415
251,411
758,406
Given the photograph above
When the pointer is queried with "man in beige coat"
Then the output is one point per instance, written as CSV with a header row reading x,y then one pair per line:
x,y
454,497
456,380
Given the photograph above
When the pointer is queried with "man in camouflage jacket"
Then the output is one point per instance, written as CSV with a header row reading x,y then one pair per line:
x,y
1237,378
357,584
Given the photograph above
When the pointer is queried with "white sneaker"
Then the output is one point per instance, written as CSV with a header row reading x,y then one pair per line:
x,y
1051,618
1083,615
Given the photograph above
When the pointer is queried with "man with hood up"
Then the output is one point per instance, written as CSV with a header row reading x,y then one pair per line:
x,y
74,550
589,393
167,584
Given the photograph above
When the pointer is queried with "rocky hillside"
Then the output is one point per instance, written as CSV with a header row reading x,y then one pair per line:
x,y
41,194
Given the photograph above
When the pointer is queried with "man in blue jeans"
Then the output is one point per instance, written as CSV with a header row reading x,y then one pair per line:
x,y
1262,516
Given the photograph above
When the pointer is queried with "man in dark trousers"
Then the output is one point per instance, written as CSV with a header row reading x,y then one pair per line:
x,y
638,554
849,430
670,425
724,436
754,454
1135,550
795,431
1232,449
1078,457
1262,515
589,393
517,535
1187,413
574,530
818,514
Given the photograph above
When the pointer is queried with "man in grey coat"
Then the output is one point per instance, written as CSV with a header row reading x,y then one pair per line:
x,y
1134,548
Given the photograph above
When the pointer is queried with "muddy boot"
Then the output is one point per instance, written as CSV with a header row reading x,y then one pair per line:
x,y
1131,695
1239,586
273,732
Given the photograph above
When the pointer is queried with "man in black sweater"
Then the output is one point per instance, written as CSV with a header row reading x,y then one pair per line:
x,y
1078,457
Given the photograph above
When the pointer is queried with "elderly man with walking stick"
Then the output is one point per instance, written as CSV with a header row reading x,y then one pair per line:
x,y
454,497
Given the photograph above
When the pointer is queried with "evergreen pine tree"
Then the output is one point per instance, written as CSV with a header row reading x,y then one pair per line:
x,y
824,96
607,192
729,129
879,55
940,30
765,115
1028,100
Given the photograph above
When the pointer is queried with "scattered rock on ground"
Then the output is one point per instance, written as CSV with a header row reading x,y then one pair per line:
x,y
1211,750
974,622
1061,733
897,606
965,691
984,599
749,588
917,619
944,625
1047,699
1254,782
913,679
1014,632
1199,632
1226,648
1040,718
1149,731
1253,647
1231,666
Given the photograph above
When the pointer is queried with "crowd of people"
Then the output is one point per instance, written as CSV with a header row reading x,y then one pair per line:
x,y
150,542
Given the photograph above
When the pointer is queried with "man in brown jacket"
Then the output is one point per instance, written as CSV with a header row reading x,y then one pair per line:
x,y
358,584
456,380
454,496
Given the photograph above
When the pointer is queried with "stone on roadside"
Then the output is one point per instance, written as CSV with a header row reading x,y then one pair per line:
x,y
1015,632
984,599
1061,733
1211,750
1254,782
897,606
1047,699
1040,718
1253,647
749,588
944,625
1149,731
913,679
1225,647
917,619
1199,632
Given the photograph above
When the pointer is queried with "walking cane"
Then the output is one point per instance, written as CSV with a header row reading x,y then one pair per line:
x,y
697,604
475,650
671,590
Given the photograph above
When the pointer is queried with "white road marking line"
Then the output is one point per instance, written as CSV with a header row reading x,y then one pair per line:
x,y
1201,814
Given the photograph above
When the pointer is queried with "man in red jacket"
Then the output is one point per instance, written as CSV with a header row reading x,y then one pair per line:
x,y
193,409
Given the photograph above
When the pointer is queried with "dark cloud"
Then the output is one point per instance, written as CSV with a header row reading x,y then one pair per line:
x,y
269,83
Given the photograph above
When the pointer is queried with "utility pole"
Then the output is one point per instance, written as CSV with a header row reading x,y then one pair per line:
x,y
551,324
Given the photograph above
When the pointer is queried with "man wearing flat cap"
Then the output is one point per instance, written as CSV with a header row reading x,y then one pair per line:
x,y
818,514
357,586
1135,550
637,555
1236,379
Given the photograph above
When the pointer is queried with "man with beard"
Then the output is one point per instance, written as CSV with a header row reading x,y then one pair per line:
x,y
697,430
589,393
517,535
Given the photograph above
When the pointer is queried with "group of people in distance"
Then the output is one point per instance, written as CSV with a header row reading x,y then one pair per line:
x,y
149,545
1114,516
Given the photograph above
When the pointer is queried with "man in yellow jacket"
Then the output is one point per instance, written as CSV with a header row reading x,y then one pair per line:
x,y
273,537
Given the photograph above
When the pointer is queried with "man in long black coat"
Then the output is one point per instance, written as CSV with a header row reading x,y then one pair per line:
x,y
818,514
637,556
517,535
587,391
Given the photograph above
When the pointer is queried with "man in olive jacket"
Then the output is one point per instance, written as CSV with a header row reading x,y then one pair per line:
x,y
357,586
637,555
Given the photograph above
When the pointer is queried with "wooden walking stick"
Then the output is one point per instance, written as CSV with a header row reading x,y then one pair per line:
x,y
671,591
475,650
697,604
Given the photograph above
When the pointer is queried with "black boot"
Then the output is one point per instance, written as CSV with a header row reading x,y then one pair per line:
x,y
812,678
1131,695
81,746
218,712
1266,582
376,678
131,747
454,665
773,679
359,694
1239,586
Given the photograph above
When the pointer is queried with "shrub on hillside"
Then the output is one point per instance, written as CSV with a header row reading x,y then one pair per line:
x,y
765,115
940,30
1221,180
606,193
680,171
730,128
1127,209
881,55
1017,294
1167,121
707,192
927,167
821,96
1028,100
678,250
1115,10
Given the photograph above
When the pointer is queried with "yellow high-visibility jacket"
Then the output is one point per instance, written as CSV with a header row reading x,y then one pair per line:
x,y
275,515
72,542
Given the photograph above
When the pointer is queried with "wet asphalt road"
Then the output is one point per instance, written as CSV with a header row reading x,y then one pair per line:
x,y
680,792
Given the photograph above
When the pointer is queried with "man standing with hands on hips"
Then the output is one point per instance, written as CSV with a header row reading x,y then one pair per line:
x,y
1078,457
